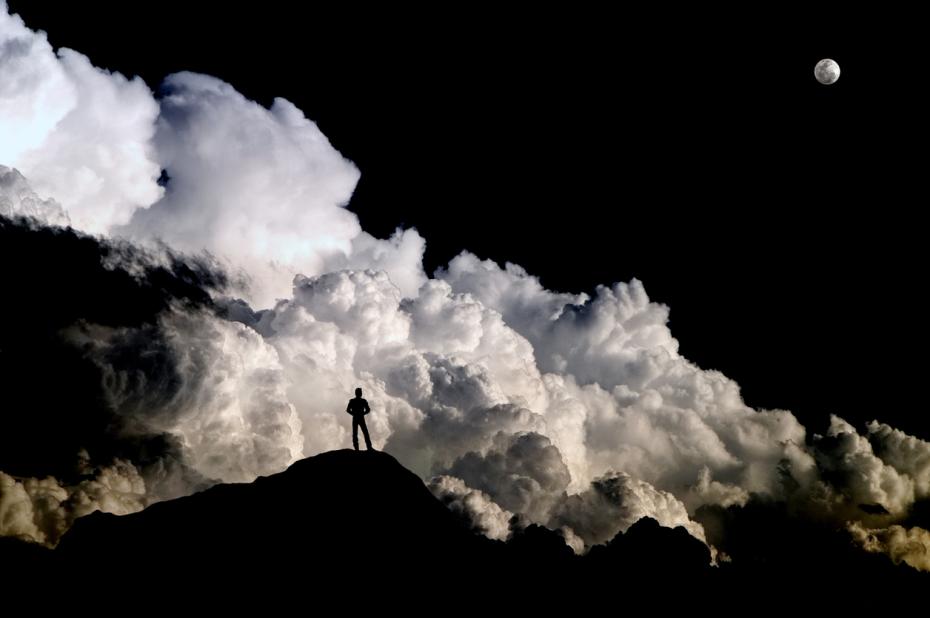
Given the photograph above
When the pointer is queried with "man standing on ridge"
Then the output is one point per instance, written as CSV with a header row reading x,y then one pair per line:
x,y
358,408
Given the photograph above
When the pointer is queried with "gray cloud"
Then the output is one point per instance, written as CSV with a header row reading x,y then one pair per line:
x,y
850,467
906,454
524,473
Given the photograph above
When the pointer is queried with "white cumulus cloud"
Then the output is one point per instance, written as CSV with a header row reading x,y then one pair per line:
x,y
81,135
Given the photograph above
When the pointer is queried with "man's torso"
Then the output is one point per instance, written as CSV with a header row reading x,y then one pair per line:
x,y
358,407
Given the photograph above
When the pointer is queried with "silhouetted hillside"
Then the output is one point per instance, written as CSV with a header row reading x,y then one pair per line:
x,y
341,509
358,529
335,523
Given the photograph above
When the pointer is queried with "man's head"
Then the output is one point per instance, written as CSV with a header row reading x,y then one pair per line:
x,y
358,392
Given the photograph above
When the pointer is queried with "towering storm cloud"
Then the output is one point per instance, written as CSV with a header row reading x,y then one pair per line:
x,y
53,106
274,168
215,152
229,304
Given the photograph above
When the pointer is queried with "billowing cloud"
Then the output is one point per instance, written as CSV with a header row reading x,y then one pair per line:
x,y
708,491
36,92
908,545
849,465
228,406
522,472
400,256
615,502
906,454
53,107
623,396
473,506
17,199
172,168
272,167
41,510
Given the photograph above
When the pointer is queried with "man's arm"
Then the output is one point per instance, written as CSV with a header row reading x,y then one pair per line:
x,y
367,409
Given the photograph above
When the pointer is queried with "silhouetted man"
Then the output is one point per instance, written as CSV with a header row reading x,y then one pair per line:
x,y
358,408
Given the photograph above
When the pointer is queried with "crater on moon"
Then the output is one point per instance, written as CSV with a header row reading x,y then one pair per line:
x,y
827,71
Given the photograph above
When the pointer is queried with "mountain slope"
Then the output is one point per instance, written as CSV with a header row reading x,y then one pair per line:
x,y
350,511
357,529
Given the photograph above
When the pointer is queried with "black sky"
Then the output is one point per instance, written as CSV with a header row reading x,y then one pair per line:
x,y
777,217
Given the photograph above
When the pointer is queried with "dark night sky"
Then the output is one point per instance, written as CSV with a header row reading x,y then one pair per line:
x,y
777,217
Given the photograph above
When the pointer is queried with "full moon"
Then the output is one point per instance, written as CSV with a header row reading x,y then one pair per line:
x,y
827,71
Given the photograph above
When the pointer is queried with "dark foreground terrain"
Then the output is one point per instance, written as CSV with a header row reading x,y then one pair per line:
x,y
356,530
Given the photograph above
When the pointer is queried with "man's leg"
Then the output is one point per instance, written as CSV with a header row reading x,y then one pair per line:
x,y
355,432
361,421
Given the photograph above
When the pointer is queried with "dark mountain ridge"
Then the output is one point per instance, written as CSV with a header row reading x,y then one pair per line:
x,y
359,528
